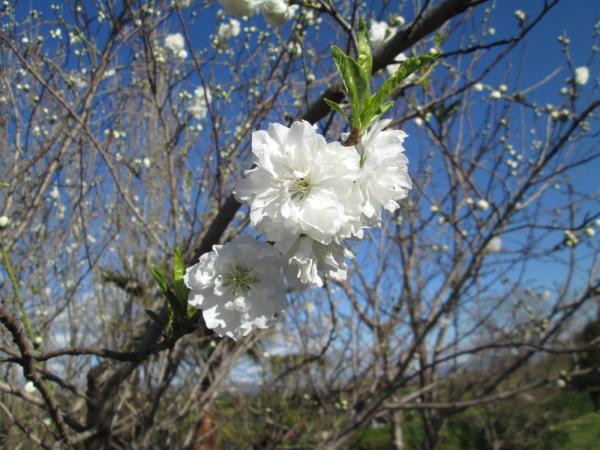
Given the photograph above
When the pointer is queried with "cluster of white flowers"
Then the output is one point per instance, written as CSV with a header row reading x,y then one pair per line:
x,y
226,31
176,44
198,106
307,196
275,12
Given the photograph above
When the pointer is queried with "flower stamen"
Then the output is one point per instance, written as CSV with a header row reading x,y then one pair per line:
x,y
239,279
299,188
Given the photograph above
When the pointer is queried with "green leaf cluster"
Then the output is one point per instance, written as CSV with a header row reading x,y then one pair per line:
x,y
176,295
356,76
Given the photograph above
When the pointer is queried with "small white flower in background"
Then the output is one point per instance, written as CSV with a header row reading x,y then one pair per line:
x,y
38,340
238,286
56,33
503,88
147,163
29,387
379,33
419,122
399,21
227,31
302,184
571,238
491,31
384,176
4,221
482,204
478,87
494,245
295,49
176,44
582,75
589,231
109,73
198,106
55,193
277,12
520,15
496,95
239,8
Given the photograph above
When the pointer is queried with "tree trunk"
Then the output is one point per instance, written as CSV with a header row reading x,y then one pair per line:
x,y
397,434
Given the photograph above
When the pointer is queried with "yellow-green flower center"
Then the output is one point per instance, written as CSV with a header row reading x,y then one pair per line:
x,y
239,279
299,188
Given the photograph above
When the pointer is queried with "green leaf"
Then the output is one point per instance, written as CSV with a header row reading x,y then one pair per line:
x,y
383,108
365,57
178,307
161,280
406,68
336,107
192,312
154,317
355,84
178,266
181,290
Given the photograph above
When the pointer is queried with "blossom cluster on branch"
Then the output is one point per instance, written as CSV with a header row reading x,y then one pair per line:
x,y
275,12
306,196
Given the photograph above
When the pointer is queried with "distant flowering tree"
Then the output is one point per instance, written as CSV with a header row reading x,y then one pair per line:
x,y
211,235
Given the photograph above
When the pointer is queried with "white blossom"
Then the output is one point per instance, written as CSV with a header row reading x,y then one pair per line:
x,y
55,193
399,20
482,204
302,184
379,33
571,238
494,245
4,221
520,15
582,75
198,106
384,170
227,31
238,286
29,387
239,8
277,12
176,44
308,259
